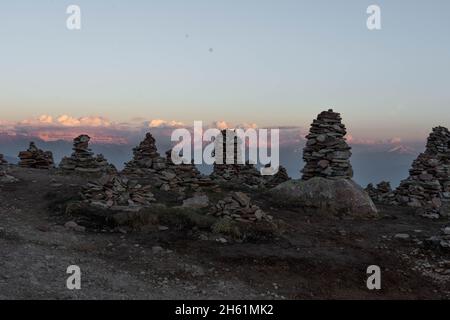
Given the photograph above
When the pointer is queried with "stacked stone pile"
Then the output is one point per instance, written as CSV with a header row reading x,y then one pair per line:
x,y
278,178
145,158
327,153
2,160
36,158
230,166
83,160
186,173
116,192
381,193
428,185
238,207
160,172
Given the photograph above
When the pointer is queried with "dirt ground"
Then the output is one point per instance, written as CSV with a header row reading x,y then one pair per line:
x,y
315,258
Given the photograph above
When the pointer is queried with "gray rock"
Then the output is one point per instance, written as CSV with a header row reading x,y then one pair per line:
x,y
335,197
402,236
197,202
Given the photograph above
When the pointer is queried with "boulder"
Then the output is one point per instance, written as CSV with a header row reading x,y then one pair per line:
x,y
334,197
196,202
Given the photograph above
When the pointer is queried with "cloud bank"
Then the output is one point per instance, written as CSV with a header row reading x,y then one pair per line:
x,y
102,130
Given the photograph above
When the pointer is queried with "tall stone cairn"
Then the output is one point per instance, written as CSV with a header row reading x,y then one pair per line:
x,y
428,184
327,153
36,158
230,166
146,158
84,161
2,160
148,166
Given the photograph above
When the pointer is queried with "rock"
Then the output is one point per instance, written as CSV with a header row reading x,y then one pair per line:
x,y
441,241
444,210
402,236
335,197
197,202
72,225
157,250
242,198
447,231
36,158
6,178
327,155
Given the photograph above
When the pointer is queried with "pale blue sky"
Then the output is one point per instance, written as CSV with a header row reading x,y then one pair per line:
x,y
273,62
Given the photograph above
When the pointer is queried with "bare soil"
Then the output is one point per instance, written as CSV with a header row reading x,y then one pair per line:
x,y
314,258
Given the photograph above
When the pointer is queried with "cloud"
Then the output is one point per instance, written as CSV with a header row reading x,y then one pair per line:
x,y
46,119
221,125
66,127
92,121
159,123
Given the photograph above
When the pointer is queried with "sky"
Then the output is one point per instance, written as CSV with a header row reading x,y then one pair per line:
x,y
273,63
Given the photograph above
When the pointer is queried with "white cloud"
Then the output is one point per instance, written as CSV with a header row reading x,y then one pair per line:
x,y
46,119
159,123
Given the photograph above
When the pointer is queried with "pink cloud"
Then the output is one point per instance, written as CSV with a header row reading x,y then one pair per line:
x,y
159,123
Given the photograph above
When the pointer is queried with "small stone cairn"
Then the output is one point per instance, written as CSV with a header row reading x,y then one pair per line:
x,y
83,160
36,158
238,206
2,160
278,178
117,193
382,193
230,166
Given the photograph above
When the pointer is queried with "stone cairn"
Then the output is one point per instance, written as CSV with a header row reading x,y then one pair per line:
x,y
327,153
36,158
83,160
382,193
158,171
4,176
278,178
187,174
238,207
428,184
117,193
230,167
2,160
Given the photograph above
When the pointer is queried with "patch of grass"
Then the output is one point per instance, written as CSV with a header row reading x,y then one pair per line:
x,y
228,227
59,200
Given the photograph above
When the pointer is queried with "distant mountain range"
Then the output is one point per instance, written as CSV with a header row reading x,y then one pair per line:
x,y
401,149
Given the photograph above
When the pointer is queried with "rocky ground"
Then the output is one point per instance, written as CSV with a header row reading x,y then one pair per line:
x,y
312,258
